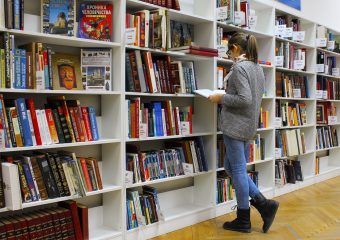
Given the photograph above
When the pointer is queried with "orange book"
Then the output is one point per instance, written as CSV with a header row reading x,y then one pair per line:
x,y
85,173
98,175
136,24
51,126
296,122
133,119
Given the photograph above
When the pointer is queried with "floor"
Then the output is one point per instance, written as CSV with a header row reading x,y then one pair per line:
x,y
310,213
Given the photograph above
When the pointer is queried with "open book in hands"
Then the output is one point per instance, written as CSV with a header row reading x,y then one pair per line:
x,y
207,92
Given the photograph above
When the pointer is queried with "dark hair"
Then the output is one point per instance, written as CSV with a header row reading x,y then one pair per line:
x,y
247,43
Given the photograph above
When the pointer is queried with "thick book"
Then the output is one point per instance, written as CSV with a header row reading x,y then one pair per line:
x,y
58,17
37,175
47,175
26,195
95,21
51,126
83,213
85,173
56,175
72,206
86,118
11,128
30,182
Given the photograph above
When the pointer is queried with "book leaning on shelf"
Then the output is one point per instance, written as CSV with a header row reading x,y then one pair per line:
x,y
61,121
142,209
52,175
291,142
157,119
179,158
36,66
287,171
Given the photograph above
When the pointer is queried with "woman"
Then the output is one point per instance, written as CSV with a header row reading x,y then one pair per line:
x,y
239,121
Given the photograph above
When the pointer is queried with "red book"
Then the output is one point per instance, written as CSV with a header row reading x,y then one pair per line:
x,y
176,120
72,206
56,223
133,119
24,228
9,229
141,28
51,126
17,228
83,212
31,107
69,225
32,226
86,118
74,123
86,174
2,231
62,221
190,118
169,4
80,124
202,53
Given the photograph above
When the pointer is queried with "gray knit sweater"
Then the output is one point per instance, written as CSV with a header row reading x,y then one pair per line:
x,y
242,102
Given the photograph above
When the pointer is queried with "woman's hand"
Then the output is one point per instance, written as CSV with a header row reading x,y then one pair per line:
x,y
216,98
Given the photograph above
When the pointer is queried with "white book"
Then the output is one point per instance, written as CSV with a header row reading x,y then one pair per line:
x,y
41,127
164,123
298,136
178,121
139,215
45,127
29,163
181,76
69,179
194,156
10,177
31,127
140,67
207,92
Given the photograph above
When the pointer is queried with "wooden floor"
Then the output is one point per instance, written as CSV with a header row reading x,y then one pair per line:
x,y
310,213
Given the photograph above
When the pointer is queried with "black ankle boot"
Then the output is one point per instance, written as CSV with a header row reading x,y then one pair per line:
x,y
241,223
267,208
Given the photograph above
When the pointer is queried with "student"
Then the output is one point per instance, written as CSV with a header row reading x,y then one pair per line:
x,y
241,104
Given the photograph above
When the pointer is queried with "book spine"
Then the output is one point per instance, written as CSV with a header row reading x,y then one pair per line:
x,y
38,177
30,182
50,70
31,127
80,124
99,178
4,121
68,121
58,126
23,68
56,176
92,176
22,113
52,189
86,174
10,126
29,70
51,126
62,175
17,70
64,125
16,14
46,68
25,191
2,193
93,121
6,40
87,123
74,123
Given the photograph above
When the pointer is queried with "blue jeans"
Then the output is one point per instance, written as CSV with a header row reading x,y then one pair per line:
x,y
235,164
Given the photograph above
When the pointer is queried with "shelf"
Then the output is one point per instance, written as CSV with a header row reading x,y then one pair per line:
x,y
5,209
140,94
294,127
295,156
60,199
182,211
174,14
326,149
335,54
258,130
282,69
62,92
62,40
230,62
295,99
177,54
168,137
329,170
103,233
251,163
300,44
230,27
219,169
229,202
326,100
267,98
329,76
62,145
168,179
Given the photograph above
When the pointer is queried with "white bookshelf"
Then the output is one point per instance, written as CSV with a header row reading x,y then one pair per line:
x,y
188,199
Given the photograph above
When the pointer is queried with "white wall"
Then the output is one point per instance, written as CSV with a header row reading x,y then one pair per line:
x,y
324,12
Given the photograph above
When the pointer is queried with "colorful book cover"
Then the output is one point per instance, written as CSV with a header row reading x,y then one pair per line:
x,y
22,113
96,69
93,121
182,34
66,72
58,17
95,21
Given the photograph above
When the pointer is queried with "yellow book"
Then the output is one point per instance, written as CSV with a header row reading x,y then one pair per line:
x,y
296,122
267,113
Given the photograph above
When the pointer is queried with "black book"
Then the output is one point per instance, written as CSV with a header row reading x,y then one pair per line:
x,y
9,14
58,125
51,186
297,170
290,174
55,173
200,146
11,127
58,161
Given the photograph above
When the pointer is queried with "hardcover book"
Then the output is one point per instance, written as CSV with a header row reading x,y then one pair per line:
x,y
182,34
95,21
96,69
66,72
58,17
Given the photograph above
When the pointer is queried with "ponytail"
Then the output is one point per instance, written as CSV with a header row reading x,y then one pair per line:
x,y
247,43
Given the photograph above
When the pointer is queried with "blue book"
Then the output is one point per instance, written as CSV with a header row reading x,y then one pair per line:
x,y
22,113
16,15
30,182
23,68
17,69
128,215
93,122
157,106
306,85
46,71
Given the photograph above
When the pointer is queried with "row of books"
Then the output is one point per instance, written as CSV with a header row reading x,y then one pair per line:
x,y
287,21
221,74
264,121
287,171
330,88
238,12
291,142
61,121
36,66
158,74
326,137
325,110
59,17
171,4
157,119
51,175
178,158
291,113
326,64
257,149
224,188
323,33
291,86
142,209
293,57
